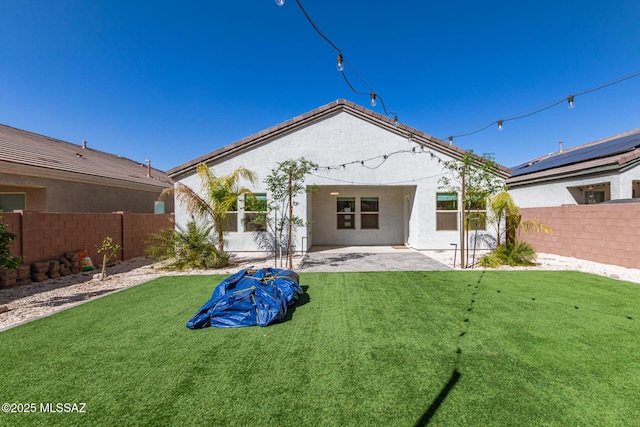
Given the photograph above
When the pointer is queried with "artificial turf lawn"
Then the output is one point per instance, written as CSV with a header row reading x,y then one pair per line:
x,y
401,349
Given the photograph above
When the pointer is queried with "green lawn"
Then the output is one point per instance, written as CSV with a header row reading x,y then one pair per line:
x,y
387,349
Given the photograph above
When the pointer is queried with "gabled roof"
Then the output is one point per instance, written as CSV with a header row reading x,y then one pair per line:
x,y
321,113
614,152
23,150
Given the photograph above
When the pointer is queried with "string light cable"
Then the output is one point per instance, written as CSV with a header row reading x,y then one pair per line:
x,y
381,159
570,100
344,181
374,97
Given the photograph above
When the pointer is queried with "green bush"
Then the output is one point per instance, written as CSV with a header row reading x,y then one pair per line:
x,y
7,261
183,248
513,254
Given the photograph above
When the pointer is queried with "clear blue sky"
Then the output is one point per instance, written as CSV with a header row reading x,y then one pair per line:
x,y
171,81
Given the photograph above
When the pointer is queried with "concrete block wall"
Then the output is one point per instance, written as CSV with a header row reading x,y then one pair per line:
x,y
44,235
608,233
136,228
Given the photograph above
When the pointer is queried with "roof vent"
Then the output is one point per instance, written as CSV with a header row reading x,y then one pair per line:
x,y
148,167
84,144
560,143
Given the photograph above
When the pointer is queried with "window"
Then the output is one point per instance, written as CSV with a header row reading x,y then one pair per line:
x,y
12,201
446,211
346,207
476,214
592,197
231,221
254,207
368,213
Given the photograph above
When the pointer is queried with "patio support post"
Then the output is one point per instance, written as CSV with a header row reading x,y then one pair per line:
x,y
290,267
462,234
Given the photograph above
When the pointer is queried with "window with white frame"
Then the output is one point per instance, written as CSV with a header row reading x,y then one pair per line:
x,y
369,213
446,211
346,209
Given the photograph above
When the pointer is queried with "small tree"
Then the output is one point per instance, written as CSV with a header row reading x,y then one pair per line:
x,y
108,251
7,261
476,179
284,184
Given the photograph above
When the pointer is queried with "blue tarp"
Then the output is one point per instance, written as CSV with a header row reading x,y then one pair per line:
x,y
249,298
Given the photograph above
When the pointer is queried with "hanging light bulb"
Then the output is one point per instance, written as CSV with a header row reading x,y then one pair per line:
x,y
373,99
450,140
395,120
570,101
500,124
279,2
340,65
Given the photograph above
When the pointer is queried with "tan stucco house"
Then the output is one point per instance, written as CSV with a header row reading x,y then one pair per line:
x,y
39,173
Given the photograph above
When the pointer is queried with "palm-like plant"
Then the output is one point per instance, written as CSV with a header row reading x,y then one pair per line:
x,y
219,194
186,247
505,216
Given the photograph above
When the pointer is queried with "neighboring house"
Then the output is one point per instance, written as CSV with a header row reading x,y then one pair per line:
x,y
378,183
38,173
603,170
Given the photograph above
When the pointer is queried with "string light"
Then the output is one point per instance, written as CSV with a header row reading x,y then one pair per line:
x,y
374,97
377,183
380,160
569,99
340,66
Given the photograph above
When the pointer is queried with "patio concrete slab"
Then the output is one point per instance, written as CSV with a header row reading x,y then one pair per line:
x,y
367,258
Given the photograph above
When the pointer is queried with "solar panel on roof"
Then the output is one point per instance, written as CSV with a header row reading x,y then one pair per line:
x,y
595,151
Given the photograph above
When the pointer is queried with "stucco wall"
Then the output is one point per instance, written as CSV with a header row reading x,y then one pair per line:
x,y
391,216
48,195
342,139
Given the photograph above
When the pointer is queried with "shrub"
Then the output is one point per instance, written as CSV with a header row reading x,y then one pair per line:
x,y
183,248
513,254
7,261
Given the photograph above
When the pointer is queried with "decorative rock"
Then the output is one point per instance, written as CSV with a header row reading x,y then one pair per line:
x,y
4,309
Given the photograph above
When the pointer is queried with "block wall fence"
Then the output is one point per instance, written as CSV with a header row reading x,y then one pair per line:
x,y
44,236
605,233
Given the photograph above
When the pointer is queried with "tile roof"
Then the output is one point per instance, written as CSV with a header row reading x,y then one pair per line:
x,y
315,115
21,147
615,151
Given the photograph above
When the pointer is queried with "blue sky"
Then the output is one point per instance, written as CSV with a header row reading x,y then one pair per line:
x,y
171,81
